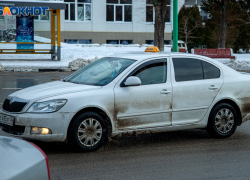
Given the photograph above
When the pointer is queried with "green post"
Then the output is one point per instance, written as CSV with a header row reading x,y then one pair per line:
x,y
175,26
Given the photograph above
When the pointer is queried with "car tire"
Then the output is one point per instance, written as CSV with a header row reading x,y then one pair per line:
x,y
222,121
88,132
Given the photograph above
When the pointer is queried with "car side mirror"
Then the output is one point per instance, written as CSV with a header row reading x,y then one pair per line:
x,y
132,81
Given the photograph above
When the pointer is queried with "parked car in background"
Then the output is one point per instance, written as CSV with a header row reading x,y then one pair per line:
x,y
20,159
182,47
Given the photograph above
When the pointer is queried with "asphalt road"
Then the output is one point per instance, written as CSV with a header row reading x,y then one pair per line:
x,y
188,154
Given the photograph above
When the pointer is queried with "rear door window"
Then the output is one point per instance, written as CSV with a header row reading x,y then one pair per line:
x,y
210,71
187,69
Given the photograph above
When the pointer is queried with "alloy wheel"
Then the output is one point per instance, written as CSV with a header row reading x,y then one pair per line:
x,y
89,132
224,121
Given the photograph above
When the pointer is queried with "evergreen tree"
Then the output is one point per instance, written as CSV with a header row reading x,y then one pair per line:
x,y
221,7
190,26
236,29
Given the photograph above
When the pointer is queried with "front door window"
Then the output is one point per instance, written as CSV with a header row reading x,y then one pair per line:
x,y
152,73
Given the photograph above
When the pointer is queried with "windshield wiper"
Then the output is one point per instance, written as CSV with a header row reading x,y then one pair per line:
x,y
74,82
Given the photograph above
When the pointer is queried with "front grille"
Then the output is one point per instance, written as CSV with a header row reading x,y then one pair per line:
x,y
16,106
15,130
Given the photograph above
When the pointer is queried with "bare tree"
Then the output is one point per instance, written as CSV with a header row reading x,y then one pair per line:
x,y
160,15
223,23
188,23
245,7
188,32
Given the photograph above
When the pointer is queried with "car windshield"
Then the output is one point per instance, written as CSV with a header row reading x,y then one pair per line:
x,y
101,72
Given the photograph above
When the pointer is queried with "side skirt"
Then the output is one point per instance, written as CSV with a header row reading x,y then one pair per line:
x,y
157,129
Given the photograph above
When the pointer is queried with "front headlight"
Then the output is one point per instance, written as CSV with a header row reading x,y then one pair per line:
x,y
47,106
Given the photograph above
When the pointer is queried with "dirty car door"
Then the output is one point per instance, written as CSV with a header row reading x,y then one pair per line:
x,y
147,105
195,85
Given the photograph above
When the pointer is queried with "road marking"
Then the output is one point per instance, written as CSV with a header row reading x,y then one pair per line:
x,y
11,88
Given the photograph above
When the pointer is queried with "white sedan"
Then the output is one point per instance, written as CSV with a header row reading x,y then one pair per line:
x,y
22,160
131,94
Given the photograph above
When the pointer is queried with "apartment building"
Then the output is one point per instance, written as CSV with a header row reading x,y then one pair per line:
x,y
106,22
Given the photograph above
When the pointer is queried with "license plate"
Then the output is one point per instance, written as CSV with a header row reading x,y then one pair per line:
x,y
8,120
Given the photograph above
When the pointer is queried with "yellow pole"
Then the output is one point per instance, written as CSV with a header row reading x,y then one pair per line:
x,y
53,31
58,35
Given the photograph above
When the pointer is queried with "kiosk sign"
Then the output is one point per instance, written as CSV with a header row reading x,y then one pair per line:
x,y
24,23
25,32
23,11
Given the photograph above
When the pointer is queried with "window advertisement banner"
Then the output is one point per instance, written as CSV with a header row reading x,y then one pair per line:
x,y
25,31
3,27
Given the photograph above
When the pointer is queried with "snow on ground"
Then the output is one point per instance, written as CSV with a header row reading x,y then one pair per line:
x,y
78,56
243,57
70,52
242,62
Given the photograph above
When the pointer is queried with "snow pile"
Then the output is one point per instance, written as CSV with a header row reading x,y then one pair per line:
x,y
238,65
242,62
79,63
1,67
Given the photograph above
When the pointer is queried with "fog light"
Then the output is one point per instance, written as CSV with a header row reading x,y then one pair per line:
x,y
37,130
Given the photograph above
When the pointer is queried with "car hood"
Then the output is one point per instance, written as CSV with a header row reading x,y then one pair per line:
x,y
51,89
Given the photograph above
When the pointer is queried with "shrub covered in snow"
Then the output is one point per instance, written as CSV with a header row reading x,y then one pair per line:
x,y
79,63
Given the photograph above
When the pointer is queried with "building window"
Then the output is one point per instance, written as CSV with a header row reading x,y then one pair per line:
x,y
166,42
193,2
150,11
119,11
43,18
78,41
123,42
78,10
204,15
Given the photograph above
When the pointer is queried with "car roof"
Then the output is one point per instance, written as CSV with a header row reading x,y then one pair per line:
x,y
139,56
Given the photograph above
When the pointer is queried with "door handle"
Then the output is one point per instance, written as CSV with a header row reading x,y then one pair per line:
x,y
212,87
165,91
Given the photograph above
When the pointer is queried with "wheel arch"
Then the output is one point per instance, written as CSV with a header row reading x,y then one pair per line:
x,y
235,106
97,110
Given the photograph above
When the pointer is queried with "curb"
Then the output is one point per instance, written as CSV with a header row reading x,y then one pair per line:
x,y
36,70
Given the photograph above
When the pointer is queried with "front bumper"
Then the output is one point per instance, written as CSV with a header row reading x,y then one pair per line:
x,y
57,122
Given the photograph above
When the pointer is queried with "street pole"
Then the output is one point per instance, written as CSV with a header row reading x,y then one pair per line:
x,y
175,26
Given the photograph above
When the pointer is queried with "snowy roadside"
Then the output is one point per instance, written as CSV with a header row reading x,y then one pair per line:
x,y
242,62
74,56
